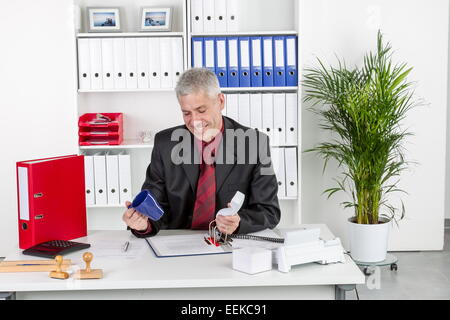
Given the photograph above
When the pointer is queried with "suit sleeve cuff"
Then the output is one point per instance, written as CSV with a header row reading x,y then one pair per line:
x,y
144,232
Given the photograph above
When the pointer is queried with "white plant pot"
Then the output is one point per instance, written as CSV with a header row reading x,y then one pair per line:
x,y
368,242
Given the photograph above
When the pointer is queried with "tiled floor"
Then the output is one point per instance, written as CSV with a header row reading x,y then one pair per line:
x,y
420,275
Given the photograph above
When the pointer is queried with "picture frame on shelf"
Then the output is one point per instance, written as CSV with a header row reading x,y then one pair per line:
x,y
103,19
156,19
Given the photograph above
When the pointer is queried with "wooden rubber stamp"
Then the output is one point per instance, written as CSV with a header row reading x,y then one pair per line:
x,y
88,273
59,274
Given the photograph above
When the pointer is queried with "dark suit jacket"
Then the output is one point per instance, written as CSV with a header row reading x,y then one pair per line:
x,y
174,183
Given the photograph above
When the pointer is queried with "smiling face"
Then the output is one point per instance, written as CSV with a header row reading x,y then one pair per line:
x,y
202,114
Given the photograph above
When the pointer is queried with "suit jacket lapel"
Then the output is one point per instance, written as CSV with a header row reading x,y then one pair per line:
x,y
191,160
226,156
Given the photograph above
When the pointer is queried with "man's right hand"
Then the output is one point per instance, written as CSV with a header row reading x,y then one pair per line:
x,y
134,219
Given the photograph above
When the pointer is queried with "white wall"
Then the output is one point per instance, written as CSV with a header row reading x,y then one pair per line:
x,y
37,93
447,158
418,32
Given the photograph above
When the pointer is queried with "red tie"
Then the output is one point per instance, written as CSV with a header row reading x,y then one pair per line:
x,y
205,201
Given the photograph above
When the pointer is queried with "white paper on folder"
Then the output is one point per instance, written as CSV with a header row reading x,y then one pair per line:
x,y
279,119
221,54
95,54
256,52
208,16
24,213
112,178
244,109
124,177
220,15
130,63
154,58
114,249
89,179
198,54
84,69
278,161
267,115
290,52
119,63
232,15
279,53
177,58
209,53
245,53
142,63
291,118
268,57
166,62
107,63
256,111
182,245
233,106
291,171
197,15
233,52
100,179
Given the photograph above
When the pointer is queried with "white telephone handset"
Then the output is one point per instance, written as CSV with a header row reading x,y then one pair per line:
x,y
235,205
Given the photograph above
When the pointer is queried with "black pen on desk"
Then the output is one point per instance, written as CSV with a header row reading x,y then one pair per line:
x,y
125,246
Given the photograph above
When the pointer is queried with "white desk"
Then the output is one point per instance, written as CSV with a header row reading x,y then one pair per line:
x,y
191,277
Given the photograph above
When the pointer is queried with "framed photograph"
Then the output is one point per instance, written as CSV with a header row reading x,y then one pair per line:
x,y
103,19
156,19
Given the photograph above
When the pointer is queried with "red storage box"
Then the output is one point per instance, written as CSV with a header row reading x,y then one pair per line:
x,y
100,129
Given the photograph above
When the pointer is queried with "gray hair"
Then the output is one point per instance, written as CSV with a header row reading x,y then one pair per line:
x,y
198,80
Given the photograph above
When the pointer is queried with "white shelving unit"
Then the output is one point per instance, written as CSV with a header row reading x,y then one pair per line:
x,y
129,34
126,144
259,89
158,109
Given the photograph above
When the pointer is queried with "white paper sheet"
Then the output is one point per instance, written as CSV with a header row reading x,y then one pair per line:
x,y
181,245
115,249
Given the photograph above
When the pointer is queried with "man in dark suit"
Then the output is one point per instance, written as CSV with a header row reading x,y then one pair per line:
x,y
197,168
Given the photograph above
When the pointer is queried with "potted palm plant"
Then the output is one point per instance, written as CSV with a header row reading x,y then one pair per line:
x,y
363,109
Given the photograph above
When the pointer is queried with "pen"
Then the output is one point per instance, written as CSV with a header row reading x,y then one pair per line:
x,y
125,246
31,264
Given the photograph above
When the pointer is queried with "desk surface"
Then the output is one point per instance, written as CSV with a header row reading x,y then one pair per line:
x,y
149,272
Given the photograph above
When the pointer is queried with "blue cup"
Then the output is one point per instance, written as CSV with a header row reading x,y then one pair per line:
x,y
146,204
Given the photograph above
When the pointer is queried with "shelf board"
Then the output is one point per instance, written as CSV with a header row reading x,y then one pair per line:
x,y
127,90
126,144
244,33
227,89
93,206
129,34
258,89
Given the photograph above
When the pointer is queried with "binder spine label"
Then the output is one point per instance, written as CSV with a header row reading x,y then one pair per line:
x,y
24,209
